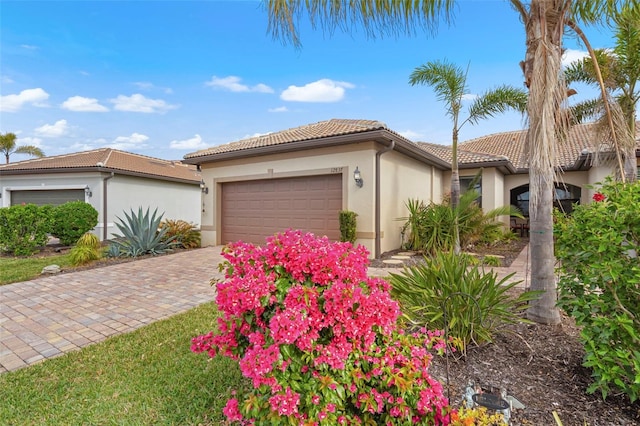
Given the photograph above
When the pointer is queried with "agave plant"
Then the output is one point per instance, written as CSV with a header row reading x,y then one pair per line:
x,y
141,234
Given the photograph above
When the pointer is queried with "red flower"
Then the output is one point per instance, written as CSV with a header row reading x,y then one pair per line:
x,y
597,197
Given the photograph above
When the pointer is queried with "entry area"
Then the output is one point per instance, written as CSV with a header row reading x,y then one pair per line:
x,y
253,210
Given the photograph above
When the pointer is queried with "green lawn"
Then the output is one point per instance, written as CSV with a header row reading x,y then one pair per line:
x,y
145,377
15,269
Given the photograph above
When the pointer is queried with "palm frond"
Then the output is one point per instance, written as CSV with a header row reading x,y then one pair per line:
x,y
497,101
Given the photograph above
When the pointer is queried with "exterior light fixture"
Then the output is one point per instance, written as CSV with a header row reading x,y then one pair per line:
x,y
358,177
203,187
87,191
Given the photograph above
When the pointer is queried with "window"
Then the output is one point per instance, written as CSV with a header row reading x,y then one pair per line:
x,y
465,185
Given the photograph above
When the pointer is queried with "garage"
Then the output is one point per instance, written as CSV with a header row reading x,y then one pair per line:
x,y
54,197
253,210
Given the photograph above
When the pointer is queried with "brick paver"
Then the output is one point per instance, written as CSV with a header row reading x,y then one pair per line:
x,y
51,315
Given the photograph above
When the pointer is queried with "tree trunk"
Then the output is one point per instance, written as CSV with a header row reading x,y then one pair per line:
x,y
455,189
541,67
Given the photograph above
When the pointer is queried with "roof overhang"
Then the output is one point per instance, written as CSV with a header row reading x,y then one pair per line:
x,y
22,172
381,136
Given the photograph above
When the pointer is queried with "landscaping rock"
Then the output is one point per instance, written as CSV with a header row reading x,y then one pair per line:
x,y
51,269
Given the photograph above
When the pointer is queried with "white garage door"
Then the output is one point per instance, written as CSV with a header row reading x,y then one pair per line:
x,y
253,210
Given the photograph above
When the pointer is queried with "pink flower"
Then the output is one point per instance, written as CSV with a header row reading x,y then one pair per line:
x,y
232,411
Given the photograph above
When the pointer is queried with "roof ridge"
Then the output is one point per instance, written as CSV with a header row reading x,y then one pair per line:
x,y
50,157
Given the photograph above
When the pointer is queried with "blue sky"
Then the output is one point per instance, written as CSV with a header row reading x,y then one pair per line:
x,y
165,78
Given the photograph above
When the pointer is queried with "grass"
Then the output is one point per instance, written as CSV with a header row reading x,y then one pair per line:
x,y
15,269
145,377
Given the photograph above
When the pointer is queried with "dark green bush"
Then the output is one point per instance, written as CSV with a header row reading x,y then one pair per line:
x,y
348,226
71,220
598,247
24,228
185,234
141,234
477,303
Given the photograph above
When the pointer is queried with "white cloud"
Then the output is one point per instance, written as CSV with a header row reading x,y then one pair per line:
x,y
571,55
232,84
469,97
145,85
139,103
411,135
79,103
35,97
193,143
130,143
324,90
278,109
29,46
59,128
6,80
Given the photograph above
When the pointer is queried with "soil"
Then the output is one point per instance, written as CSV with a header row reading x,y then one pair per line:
x,y
541,366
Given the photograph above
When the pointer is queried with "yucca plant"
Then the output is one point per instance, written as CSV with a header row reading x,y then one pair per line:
x,y
477,304
185,234
141,234
86,250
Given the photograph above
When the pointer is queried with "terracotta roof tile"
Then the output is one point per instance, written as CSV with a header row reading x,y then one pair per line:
x,y
322,129
107,159
512,145
464,157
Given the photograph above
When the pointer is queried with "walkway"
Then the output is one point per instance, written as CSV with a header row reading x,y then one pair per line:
x,y
49,316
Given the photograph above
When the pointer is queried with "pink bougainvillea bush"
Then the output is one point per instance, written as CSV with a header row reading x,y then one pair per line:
x,y
319,339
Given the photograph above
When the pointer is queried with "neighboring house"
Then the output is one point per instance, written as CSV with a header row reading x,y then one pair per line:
x,y
112,181
302,177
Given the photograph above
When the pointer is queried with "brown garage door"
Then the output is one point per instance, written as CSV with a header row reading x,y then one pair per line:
x,y
253,210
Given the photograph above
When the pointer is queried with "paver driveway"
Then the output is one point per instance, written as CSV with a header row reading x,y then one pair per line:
x,y
48,316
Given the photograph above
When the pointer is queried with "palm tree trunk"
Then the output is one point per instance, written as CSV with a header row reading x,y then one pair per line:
x,y
541,68
455,189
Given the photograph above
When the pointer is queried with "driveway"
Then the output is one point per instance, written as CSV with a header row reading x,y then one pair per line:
x,y
49,316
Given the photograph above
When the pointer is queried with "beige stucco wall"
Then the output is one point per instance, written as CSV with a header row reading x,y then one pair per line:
x,y
400,180
403,178
492,185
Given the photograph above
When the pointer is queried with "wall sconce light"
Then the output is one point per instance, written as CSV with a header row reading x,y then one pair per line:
x,y
358,177
203,187
87,191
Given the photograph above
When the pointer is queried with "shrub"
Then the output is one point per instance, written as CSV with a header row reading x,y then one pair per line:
x,y
141,234
348,226
318,338
71,220
87,249
24,228
185,234
491,260
476,417
430,227
477,303
598,248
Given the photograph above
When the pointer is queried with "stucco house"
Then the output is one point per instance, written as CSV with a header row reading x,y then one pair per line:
x,y
301,177
112,181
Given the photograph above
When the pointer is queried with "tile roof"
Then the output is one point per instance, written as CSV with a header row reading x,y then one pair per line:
x,y
106,159
512,145
322,129
464,157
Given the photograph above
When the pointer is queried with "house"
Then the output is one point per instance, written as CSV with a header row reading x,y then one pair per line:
x,y
302,177
112,181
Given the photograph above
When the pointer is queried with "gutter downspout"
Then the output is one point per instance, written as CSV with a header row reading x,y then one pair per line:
x,y
104,206
377,206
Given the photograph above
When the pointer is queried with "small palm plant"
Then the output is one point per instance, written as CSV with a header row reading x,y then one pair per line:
x,y
142,234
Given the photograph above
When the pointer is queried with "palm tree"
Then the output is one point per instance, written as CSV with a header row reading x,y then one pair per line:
x,y
620,72
449,82
544,23
8,147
